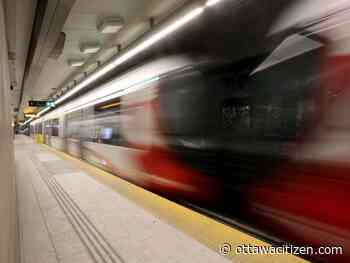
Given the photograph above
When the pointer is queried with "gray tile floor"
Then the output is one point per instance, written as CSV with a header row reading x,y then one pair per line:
x,y
66,216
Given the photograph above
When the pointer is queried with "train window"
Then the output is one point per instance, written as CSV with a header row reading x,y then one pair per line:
x,y
99,123
101,129
55,127
231,107
106,123
236,113
47,127
73,130
73,124
106,133
282,94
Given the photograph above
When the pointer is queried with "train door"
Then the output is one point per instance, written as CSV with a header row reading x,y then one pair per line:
x,y
47,132
63,132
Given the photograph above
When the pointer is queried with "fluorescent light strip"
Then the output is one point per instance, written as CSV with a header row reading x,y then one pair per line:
x,y
90,49
42,111
27,121
212,2
86,82
158,36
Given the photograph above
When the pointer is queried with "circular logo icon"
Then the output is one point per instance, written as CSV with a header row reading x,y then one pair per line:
x,y
225,249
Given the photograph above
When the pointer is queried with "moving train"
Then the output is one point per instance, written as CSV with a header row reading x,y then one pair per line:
x,y
264,140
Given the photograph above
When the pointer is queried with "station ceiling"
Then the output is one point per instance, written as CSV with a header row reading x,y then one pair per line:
x,y
60,30
44,35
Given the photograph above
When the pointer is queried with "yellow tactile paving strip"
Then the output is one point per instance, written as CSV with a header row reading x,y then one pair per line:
x,y
209,232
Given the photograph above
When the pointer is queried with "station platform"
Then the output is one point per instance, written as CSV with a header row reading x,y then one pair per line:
x,y
70,212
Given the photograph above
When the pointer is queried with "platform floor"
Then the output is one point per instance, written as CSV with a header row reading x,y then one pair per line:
x,y
67,216
71,211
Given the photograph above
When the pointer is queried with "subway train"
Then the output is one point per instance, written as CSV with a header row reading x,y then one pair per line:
x,y
264,140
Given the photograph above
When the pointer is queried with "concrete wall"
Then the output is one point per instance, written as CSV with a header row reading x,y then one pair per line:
x,y
8,211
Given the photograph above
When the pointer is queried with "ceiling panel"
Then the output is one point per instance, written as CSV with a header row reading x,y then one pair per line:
x,y
81,27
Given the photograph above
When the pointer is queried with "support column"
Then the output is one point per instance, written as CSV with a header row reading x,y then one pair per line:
x,y
8,210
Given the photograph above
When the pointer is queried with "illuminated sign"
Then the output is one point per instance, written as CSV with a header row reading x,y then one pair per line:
x,y
41,103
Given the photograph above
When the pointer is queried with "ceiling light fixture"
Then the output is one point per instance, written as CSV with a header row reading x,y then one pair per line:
x,y
76,63
90,48
110,25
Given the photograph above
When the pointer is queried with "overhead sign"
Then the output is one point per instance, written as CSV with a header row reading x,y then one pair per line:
x,y
41,103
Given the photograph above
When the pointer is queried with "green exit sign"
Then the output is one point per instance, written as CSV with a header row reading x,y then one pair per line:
x,y
41,103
